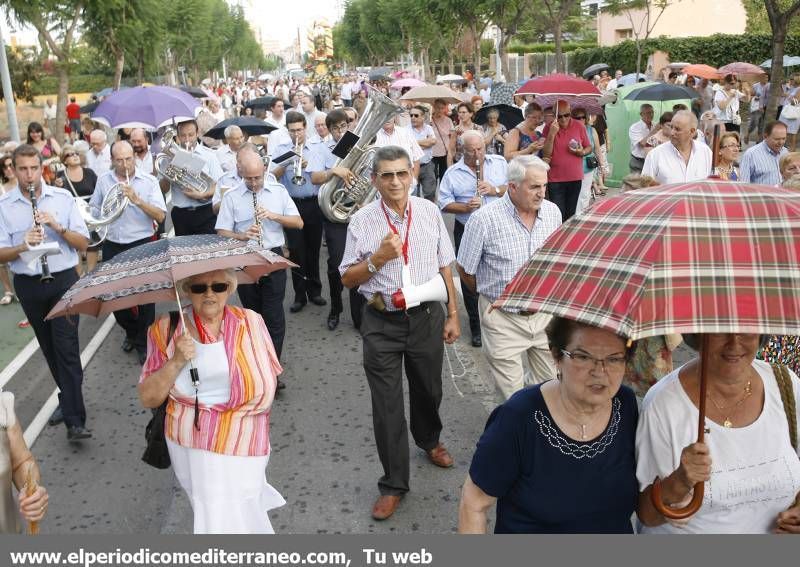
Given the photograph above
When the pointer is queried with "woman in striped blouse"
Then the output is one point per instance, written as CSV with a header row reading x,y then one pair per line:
x,y
217,433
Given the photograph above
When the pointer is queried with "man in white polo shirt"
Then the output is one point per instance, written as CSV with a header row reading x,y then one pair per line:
x,y
684,158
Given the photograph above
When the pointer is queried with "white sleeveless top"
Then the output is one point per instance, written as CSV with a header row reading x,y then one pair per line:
x,y
211,362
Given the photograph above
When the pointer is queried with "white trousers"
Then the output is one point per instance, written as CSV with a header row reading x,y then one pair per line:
x,y
585,198
506,338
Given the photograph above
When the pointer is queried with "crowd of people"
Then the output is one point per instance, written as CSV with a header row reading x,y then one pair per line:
x,y
570,449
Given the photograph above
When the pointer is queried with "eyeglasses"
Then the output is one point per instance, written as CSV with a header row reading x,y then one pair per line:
x,y
216,287
729,146
338,127
565,115
583,361
388,176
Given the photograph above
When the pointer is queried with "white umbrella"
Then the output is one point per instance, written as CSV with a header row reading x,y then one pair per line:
x,y
448,78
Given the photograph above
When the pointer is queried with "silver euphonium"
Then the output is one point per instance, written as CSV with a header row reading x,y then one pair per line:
x,y
186,179
111,209
337,200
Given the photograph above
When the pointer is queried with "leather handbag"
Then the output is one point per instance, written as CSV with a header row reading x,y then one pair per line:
x,y
156,453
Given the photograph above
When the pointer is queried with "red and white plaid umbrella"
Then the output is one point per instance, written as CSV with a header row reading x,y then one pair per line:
x,y
701,257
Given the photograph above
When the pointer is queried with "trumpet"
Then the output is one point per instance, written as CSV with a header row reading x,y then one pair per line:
x,y
47,277
298,178
257,220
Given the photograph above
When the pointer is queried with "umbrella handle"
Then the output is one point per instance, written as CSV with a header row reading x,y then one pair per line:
x,y
677,513
699,488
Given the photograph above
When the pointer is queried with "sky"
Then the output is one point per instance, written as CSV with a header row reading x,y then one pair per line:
x,y
282,23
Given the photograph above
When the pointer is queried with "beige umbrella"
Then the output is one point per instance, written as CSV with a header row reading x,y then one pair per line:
x,y
430,93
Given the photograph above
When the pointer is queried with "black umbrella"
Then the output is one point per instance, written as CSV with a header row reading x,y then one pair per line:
x,y
89,107
595,69
663,91
260,102
379,77
250,125
196,92
510,116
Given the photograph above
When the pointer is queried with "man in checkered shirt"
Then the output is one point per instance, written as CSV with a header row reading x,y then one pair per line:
x,y
498,240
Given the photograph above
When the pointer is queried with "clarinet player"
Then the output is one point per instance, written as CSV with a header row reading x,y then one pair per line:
x,y
57,216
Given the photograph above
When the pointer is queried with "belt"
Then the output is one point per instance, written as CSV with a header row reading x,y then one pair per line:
x,y
38,276
400,313
312,198
195,208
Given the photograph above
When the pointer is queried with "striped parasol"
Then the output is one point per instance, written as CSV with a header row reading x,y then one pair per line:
x,y
701,257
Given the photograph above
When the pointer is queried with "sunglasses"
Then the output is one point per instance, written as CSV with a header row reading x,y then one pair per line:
x,y
70,154
582,117
216,287
402,175
566,115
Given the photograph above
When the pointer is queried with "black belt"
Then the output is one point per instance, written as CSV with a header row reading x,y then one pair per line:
x,y
400,313
313,198
195,208
38,276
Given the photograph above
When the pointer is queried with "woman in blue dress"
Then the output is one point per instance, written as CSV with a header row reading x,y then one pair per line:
x,y
559,457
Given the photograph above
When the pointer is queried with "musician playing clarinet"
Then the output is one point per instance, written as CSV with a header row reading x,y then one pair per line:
x,y
51,216
473,180
132,228
259,210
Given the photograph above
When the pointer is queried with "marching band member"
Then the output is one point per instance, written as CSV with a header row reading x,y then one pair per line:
x,y
226,154
498,240
141,151
323,169
54,218
474,179
391,235
192,212
132,228
304,243
231,179
238,218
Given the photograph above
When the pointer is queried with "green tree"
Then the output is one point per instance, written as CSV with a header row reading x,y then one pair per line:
x,y
556,13
56,22
643,16
23,65
780,13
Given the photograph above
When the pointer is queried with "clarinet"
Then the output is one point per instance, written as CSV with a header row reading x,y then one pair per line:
x,y
257,220
478,178
46,275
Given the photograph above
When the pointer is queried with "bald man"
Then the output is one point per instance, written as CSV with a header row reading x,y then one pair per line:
x,y
132,228
275,211
684,158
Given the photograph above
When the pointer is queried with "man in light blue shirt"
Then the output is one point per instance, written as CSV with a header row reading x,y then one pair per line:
x,y
58,220
499,239
473,181
192,212
131,229
305,243
275,212
759,164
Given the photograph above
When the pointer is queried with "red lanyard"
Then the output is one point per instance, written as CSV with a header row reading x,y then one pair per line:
x,y
408,229
202,334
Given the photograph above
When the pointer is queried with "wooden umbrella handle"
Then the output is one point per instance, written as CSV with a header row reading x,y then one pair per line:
x,y
699,488
30,487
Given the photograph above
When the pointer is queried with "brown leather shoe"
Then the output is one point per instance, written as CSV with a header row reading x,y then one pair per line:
x,y
385,506
440,457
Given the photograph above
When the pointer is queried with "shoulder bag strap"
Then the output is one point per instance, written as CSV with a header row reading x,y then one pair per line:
x,y
787,397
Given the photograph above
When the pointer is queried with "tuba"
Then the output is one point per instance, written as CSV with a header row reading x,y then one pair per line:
x,y
338,201
199,182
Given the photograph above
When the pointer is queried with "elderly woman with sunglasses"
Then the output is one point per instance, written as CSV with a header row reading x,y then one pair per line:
x,y
558,457
748,461
218,431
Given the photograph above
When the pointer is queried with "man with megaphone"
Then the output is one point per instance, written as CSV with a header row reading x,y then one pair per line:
x,y
398,255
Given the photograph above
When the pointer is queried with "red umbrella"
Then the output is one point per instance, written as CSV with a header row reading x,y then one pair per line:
x,y
559,85
702,71
741,68
702,257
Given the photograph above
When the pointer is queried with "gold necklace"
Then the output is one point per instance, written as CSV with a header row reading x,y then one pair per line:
x,y
734,408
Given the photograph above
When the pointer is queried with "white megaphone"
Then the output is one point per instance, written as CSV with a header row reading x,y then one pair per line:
x,y
410,295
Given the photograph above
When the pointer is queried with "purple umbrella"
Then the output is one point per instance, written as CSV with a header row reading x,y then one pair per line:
x,y
146,107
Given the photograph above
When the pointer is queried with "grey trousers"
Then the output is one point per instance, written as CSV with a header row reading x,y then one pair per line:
x,y
392,342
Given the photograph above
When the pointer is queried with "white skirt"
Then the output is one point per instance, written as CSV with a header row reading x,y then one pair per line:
x,y
229,494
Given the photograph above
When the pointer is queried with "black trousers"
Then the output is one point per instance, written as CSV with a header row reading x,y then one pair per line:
x,y
266,298
336,237
440,163
392,342
470,297
58,338
134,322
195,220
565,194
304,245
